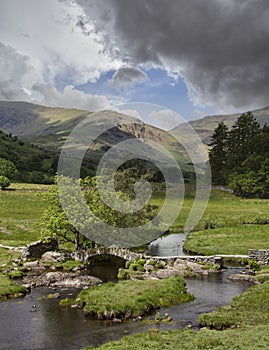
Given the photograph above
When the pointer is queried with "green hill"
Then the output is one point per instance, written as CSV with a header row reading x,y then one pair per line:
x,y
48,128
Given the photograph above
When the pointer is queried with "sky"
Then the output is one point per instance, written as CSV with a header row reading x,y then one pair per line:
x,y
194,57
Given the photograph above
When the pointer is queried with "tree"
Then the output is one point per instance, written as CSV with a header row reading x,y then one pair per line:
x,y
4,182
253,178
55,223
218,153
240,140
7,168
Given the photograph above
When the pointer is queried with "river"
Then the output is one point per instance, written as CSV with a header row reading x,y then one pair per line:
x,y
51,327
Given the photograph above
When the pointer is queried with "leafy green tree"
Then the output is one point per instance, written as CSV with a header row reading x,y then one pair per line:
x,y
4,182
7,168
253,180
218,153
55,223
111,216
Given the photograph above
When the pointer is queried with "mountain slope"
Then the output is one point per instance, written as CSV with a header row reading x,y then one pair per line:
x,y
25,119
205,127
49,128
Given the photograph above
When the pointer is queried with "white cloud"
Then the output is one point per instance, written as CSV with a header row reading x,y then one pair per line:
x,y
165,119
71,98
44,42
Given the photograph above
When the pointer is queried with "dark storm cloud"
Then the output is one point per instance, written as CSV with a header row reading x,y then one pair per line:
x,y
127,77
219,47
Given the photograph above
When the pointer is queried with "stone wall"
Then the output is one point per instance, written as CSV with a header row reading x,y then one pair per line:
x,y
261,256
215,260
123,253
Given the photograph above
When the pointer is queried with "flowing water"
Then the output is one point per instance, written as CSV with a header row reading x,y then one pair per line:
x,y
47,326
171,245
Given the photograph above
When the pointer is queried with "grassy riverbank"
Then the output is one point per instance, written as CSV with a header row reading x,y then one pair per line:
x,y
20,210
239,339
132,298
9,289
250,308
247,319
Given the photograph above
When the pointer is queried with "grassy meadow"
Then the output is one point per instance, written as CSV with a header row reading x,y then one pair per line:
x,y
20,210
230,225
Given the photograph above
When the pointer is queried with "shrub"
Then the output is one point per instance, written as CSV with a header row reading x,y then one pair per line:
x,y
4,182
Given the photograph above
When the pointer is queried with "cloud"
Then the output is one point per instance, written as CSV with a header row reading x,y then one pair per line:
x,y
50,44
220,48
70,98
126,77
16,74
165,119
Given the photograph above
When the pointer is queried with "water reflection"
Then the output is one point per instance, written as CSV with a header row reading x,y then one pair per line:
x,y
171,245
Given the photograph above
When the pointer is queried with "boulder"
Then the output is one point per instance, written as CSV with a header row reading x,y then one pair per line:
x,y
51,257
65,279
243,277
34,265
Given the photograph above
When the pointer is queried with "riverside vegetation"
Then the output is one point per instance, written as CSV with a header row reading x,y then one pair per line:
x,y
129,299
20,213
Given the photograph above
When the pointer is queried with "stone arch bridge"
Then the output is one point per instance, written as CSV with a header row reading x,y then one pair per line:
x,y
128,255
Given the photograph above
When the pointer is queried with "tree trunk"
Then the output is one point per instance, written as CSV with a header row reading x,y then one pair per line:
x,y
77,243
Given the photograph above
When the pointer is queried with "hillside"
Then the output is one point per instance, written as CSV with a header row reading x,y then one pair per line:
x,y
205,127
48,128
33,163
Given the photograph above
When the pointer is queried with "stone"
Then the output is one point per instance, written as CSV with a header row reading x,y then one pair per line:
x,y
34,265
65,279
51,257
259,255
116,320
243,277
54,296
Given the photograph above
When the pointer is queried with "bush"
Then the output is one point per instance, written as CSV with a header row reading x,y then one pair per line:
x,y
254,265
4,182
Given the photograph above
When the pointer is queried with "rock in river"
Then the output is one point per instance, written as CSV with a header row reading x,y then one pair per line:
x,y
64,279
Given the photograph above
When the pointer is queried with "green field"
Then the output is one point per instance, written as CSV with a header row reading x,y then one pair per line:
x,y
21,208
230,225
229,240
224,210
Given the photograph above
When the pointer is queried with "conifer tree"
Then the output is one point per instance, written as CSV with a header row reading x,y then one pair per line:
x,y
218,153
